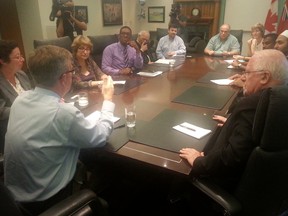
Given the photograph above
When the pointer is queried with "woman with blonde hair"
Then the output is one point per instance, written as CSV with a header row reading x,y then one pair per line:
x,y
87,71
256,42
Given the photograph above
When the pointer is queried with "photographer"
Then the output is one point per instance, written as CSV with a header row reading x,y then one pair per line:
x,y
180,20
67,23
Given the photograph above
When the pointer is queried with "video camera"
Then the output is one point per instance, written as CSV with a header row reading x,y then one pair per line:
x,y
59,5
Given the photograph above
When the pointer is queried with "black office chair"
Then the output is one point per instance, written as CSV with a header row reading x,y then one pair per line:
x,y
64,42
263,188
239,35
82,203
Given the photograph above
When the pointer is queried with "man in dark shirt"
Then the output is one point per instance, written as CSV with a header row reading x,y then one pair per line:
x,y
142,41
225,160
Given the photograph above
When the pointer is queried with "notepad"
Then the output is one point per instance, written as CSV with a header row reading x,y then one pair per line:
x,y
222,81
147,74
164,61
95,116
192,130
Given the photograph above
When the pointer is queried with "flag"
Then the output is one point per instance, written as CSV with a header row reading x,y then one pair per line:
x,y
272,18
283,22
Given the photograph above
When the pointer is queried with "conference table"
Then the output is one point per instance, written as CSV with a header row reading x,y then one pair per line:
x,y
159,107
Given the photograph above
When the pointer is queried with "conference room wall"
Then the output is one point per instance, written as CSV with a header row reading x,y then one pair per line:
x,y
35,23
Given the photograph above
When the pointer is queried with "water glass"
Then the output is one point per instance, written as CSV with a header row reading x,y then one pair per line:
x,y
171,62
83,99
130,116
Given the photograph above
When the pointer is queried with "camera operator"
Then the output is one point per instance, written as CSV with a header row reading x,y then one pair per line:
x,y
180,20
67,23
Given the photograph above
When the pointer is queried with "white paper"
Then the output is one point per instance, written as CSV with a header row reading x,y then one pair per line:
x,y
164,61
230,66
192,130
222,81
95,116
116,82
147,74
229,61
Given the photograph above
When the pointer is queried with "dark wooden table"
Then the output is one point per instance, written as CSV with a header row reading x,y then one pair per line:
x,y
155,95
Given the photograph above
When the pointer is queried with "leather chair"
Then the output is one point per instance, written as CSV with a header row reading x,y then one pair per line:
x,y
99,43
196,45
239,35
82,203
64,42
263,188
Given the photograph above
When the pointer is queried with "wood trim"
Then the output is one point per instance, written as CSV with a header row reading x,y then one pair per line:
x,y
9,24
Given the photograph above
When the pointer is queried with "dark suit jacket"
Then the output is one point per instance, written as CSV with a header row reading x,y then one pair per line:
x,y
225,160
7,97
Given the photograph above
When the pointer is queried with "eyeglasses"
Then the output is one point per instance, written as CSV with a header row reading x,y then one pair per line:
x,y
82,49
69,71
248,72
19,57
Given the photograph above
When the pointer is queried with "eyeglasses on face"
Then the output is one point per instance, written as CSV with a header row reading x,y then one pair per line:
x,y
18,57
248,72
69,71
82,49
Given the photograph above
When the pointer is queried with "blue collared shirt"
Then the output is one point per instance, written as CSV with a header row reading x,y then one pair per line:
x,y
43,142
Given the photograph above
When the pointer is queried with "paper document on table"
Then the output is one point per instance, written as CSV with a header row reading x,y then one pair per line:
x,y
94,117
192,130
148,74
115,82
164,61
229,61
222,81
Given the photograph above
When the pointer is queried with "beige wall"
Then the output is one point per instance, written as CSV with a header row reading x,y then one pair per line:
x,y
35,23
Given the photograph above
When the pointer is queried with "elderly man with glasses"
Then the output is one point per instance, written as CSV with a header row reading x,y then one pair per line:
x,y
225,159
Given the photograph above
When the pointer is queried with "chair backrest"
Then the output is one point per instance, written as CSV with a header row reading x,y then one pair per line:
x,y
64,42
239,35
263,189
161,32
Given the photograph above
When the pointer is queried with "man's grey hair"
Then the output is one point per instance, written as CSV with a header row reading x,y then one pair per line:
x,y
273,61
48,63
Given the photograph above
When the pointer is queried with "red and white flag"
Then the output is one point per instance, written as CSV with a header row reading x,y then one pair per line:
x,y
283,22
272,18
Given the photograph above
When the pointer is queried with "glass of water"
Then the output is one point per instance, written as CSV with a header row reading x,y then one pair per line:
x,y
130,115
83,99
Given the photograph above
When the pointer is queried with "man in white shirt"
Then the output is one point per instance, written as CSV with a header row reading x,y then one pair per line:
x,y
170,44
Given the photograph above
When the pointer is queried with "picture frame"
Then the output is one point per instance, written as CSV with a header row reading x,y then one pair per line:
x,y
156,14
112,12
82,11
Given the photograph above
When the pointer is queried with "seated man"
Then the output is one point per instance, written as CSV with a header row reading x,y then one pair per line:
x,y
223,44
171,44
123,57
225,160
269,40
282,43
45,135
142,42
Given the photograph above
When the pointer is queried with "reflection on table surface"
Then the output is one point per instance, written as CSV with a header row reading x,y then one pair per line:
x,y
152,95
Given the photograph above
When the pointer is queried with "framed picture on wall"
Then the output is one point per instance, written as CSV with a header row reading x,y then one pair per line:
x,y
82,12
112,12
156,14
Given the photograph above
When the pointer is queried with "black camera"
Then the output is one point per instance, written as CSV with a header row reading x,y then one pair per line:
x,y
56,6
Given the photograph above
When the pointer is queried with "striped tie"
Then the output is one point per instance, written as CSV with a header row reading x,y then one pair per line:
x,y
126,59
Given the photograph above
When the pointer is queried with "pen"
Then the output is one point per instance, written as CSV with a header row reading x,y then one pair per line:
x,y
120,126
192,129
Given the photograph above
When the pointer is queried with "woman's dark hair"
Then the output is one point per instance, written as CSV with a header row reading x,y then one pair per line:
x,y
6,48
